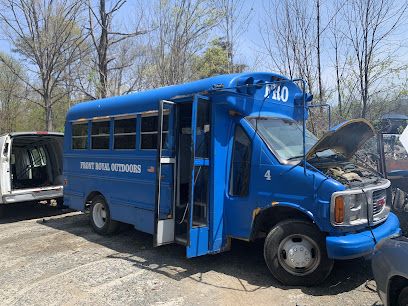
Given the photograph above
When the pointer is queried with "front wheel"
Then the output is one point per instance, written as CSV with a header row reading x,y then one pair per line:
x,y
295,253
100,217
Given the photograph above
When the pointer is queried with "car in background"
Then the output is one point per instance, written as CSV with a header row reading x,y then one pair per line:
x,y
390,269
31,168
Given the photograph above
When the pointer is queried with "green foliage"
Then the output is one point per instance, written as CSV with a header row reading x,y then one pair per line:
x,y
215,60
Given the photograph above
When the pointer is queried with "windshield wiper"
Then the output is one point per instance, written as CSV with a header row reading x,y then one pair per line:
x,y
295,157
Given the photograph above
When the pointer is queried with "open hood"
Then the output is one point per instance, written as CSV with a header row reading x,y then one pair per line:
x,y
346,138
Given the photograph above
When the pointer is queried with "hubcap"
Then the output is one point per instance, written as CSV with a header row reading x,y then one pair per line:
x,y
99,215
298,254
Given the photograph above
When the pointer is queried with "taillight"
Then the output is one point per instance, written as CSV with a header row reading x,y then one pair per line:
x,y
339,210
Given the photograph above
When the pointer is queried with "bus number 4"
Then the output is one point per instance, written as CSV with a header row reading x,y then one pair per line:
x,y
268,175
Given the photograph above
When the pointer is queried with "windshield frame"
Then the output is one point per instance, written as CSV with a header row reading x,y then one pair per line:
x,y
281,160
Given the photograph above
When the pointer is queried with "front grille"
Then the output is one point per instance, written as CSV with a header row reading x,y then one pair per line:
x,y
379,201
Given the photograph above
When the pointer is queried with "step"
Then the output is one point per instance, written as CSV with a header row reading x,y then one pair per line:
x,y
182,239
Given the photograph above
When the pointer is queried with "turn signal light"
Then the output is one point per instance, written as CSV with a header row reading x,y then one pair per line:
x,y
339,209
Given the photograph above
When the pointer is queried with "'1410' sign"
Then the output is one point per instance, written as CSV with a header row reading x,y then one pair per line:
x,y
278,93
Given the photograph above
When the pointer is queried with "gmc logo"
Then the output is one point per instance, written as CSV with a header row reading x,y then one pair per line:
x,y
381,202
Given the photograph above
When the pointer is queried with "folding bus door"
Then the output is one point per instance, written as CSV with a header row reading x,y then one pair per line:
x,y
164,217
198,229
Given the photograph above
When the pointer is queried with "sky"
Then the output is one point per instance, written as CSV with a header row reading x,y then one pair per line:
x,y
249,39
250,42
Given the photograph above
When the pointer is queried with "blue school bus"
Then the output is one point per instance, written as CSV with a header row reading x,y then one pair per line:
x,y
227,157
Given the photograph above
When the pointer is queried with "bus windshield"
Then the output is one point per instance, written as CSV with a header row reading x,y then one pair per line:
x,y
284,136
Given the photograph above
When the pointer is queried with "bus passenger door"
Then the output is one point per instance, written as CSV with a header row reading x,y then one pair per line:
x,y
198,228
165,175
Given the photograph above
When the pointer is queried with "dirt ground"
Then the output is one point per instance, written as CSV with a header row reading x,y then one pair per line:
x,y
52,257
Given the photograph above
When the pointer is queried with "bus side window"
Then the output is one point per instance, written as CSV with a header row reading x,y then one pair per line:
x,y
100,135
125,133
148,138
241,163
79,136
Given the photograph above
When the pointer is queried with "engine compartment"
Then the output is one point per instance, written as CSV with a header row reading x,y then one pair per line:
x,y
349,173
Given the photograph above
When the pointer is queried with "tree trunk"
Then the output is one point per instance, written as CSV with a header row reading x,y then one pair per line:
x,y
48,119
319,68
103,50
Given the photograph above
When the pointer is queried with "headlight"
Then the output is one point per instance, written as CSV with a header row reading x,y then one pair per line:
x,y
356,206
339,209
349,209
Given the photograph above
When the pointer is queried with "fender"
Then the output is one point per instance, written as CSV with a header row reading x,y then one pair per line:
x,y
263,219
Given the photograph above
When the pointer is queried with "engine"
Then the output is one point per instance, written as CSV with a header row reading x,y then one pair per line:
x,y
349,174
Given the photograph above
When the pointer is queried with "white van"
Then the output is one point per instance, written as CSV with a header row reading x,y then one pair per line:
x,y
31,167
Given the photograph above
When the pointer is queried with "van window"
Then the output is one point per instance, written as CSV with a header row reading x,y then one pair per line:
x,y
241,163
80,136
148,134
125,133
38,157
100,135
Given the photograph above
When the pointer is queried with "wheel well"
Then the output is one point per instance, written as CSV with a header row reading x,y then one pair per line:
x,y
89,198
396,284
269,217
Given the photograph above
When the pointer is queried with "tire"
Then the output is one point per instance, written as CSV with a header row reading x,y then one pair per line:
x,y
1,211
100,217
60,203
403,297
295,253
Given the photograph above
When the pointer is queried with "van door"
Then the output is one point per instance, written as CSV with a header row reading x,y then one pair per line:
x,y
164,218
198,221
5,164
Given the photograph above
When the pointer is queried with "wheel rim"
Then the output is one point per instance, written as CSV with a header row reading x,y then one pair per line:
x,y
99,215
299,255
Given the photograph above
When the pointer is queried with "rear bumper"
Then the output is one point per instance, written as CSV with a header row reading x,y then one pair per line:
x,y
360,244
37,194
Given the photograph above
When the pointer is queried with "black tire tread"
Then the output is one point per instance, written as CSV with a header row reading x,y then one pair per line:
x,y
288,227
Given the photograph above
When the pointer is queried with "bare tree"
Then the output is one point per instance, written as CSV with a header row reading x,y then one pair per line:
x,y
236,16
318,52
104,39
11,89
290,41
340,57
182,28
370,23
46,37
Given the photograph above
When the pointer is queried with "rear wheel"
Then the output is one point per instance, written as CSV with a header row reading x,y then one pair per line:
x,y
295,253
60,203
403,297
100,217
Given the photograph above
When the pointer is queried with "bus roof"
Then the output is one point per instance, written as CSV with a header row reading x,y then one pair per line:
x,y
149,99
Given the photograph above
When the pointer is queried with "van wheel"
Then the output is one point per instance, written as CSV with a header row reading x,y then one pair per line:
x,y
100,217
60,203
1,211
403,297
295,253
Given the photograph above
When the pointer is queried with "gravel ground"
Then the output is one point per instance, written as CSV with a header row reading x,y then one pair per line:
x,y
52,257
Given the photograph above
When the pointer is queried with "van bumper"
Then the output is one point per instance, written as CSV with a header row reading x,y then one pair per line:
x,y
34,194
360,244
